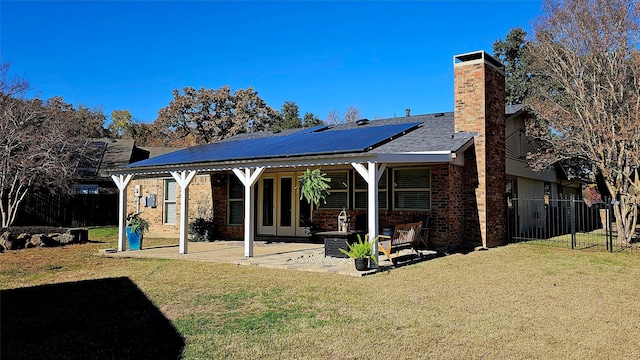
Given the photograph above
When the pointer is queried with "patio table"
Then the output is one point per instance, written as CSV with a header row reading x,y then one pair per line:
x,y
335,240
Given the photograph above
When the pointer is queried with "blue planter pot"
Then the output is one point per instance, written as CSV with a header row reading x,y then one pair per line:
x,y
134,238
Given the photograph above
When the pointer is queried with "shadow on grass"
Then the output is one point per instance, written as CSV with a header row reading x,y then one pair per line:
x,y
95,319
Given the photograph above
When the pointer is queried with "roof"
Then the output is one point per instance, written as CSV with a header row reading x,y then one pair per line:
x,y
418,138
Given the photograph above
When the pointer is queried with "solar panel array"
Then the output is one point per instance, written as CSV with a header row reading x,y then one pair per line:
x,y
319,140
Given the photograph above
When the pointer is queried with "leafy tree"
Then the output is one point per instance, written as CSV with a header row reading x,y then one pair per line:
x,y
289,117
586,97
310,120
512,53
120,121
206,115
41,144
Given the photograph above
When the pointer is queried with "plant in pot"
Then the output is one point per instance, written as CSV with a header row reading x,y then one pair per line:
x,y
136,227
314,187
362,252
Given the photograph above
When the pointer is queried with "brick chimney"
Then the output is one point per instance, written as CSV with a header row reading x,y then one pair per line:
x,y
479,97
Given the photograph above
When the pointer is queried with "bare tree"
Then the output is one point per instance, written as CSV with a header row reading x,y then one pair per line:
x,y
11,85
41,144
352,115
586,65
334,117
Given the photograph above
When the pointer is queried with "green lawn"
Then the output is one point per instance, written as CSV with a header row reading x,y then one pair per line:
x,y
520,301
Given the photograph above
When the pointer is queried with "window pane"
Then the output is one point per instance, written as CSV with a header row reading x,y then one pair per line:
x,y
170,188
235,213
336,200
285,201
338,180
361,200
236,189
412,178
414,200
267,202
361,184
170,213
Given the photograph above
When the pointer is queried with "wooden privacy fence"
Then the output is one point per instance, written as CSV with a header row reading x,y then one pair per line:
x,y
68,210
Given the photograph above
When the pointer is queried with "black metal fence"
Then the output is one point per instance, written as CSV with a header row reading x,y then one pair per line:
x,y
68,210
565,222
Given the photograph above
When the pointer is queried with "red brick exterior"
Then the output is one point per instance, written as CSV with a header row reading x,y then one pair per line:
x,y
479,107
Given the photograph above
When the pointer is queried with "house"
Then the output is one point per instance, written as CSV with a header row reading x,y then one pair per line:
x,y
449,167
93,198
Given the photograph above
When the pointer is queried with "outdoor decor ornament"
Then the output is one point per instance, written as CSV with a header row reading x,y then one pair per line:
x,y
344,221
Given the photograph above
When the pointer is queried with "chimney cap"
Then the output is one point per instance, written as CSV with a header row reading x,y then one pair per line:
x,y
475,57
408,112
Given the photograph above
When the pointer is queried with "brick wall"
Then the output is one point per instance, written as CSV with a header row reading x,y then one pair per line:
x,y
479,107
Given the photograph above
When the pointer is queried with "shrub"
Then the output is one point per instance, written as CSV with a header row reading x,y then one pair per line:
x,y
202,229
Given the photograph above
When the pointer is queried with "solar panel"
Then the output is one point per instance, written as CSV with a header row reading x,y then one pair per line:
x,y
301,143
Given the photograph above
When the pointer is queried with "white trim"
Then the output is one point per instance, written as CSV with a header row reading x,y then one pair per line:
x,y
183,179
248,179
121,182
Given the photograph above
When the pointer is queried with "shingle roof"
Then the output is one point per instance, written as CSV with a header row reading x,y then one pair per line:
x,y
434,134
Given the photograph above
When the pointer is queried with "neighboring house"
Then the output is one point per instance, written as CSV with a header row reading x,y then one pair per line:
x,y
448,167
93,198
524,184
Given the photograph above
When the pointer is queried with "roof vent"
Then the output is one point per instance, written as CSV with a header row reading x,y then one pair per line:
x,y
438,115
408,112
362,122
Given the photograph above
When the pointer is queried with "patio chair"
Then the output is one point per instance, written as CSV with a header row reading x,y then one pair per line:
x,y
404,236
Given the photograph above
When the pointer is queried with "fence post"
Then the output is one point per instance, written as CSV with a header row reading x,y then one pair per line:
x,y
572,210
609,225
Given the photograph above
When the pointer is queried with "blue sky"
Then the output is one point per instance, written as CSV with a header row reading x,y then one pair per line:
x,y
381,57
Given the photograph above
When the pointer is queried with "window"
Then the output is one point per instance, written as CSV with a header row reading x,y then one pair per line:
x,y
236,195
170,208
412,189
361,192
339,191
85,189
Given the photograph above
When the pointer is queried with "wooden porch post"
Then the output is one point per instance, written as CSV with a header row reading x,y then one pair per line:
x,y
248,180
184,178
121,182
372,175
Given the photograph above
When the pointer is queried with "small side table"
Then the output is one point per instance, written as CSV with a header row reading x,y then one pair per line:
x,y
336,240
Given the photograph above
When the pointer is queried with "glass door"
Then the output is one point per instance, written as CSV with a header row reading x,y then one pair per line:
x,y
277,210
285,207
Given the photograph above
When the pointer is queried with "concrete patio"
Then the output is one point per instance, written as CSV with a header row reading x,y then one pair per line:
x,y
271,254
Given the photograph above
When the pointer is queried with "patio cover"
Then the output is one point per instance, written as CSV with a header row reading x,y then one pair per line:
x,y
367,146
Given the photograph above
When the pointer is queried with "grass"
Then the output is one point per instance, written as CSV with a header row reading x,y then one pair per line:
x,y
520,301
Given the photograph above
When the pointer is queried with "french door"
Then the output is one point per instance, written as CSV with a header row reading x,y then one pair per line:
x,y
277,210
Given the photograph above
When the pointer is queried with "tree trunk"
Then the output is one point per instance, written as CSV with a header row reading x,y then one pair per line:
x,y
625,212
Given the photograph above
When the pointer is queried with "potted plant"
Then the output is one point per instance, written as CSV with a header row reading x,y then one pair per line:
x,y
136,227
314,187
361,251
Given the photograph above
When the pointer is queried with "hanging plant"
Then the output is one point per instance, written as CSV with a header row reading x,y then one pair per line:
x,y
314,186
